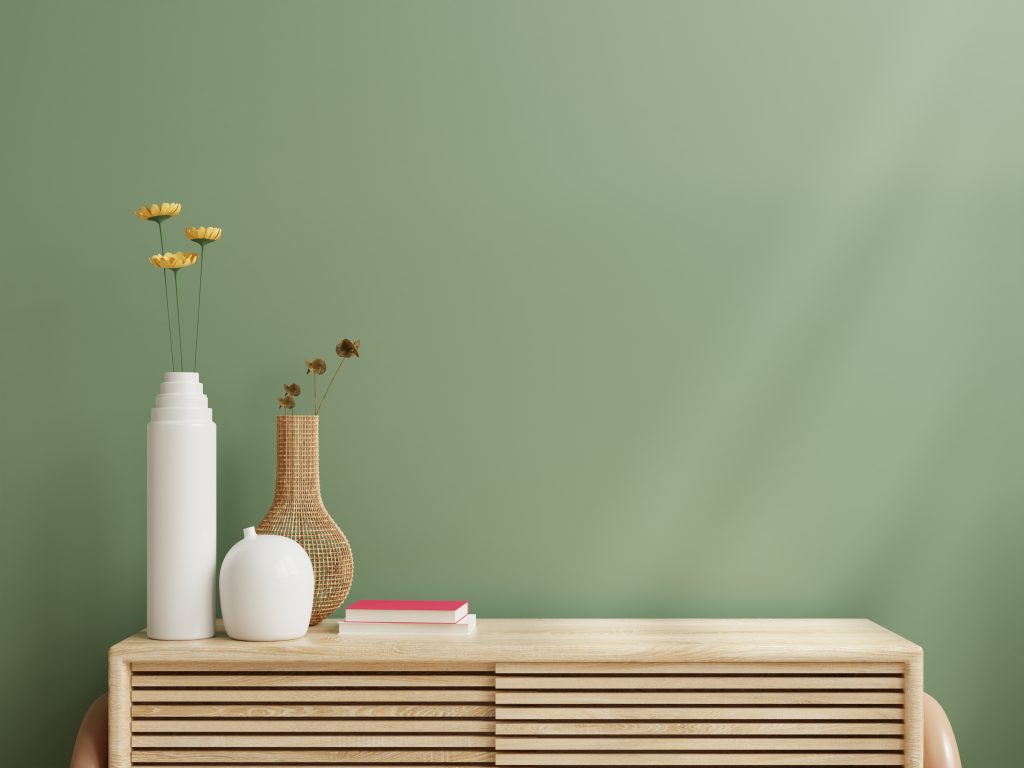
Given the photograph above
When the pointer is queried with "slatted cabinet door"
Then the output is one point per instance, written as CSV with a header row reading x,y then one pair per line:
x,y
697,714
347,717
526,692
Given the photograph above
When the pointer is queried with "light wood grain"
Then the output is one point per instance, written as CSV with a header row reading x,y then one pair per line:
x,y
119,705
684,698
211,711
707,759
312,741
699,713
710,728
648,744
914,713
292,756
341,696
558,640
277,661
527,693
698,682
701,668
327,680
295,725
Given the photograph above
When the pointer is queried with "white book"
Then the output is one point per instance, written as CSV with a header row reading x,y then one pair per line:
x,y
430,611
464,627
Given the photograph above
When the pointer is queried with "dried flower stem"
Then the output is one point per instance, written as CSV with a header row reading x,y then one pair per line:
x,y
314,394
316,409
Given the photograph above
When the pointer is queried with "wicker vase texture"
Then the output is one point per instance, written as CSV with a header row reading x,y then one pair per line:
x,y
298,512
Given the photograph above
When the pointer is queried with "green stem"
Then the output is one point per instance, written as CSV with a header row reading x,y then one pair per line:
x,y
199,307
177,304
314,394
167,301
330,384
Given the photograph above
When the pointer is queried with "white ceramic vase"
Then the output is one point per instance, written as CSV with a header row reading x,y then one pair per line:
x,y
266,588
181,564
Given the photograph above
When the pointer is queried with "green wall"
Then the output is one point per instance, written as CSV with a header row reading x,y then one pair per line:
x,y
667,309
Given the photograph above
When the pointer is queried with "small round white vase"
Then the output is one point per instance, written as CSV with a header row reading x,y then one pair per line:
x,y
266,588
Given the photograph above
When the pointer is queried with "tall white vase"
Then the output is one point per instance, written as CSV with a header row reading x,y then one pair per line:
x,y
181,566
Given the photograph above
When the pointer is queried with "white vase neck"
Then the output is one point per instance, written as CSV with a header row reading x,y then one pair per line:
x,y
181,399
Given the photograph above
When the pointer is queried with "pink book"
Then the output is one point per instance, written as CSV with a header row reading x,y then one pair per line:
x,y
408,611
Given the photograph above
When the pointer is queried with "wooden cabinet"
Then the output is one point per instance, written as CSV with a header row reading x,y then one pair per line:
x,y
526,693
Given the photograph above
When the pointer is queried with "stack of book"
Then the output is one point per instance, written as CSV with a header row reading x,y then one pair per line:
x,y
408,617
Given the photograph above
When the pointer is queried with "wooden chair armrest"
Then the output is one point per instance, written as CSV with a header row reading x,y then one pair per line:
x,y
91,744
940,749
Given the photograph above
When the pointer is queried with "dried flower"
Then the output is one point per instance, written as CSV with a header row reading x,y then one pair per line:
x,y
203,235
293,389
175,260
318,366
286,402
158,211
347,348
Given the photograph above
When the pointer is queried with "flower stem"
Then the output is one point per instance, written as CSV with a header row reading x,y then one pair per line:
x,y
199,306
330,384
177,304
314,394
167,301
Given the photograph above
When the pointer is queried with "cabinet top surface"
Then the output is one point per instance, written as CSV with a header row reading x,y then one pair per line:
x,y
555,640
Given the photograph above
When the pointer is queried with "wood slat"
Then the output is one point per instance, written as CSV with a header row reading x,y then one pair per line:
x,y
268,695
522,728
684,698
310,741
260,725
702,744
699,713
697,759
262,661
312,710
311,756
697,682
640,668
313,680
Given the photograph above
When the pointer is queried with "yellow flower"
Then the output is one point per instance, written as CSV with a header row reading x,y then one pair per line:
x,y
158,211
203,235
175,260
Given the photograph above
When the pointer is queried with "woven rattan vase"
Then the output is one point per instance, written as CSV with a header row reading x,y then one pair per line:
x,y
298,512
